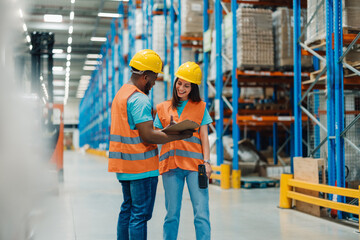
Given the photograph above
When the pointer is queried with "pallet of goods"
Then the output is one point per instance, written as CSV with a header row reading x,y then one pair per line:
x,y
255,39
283,34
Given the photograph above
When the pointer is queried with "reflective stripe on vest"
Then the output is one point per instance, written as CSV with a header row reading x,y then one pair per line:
x,y
134,156
181,153
193,139
167,155
127,140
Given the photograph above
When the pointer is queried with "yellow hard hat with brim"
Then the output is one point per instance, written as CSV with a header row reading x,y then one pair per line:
x,y
189,72
147,60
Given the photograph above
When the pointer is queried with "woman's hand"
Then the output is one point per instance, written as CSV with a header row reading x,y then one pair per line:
x,y
172,122
208,169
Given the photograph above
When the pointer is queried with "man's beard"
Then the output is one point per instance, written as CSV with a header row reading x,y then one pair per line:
x,y
147,88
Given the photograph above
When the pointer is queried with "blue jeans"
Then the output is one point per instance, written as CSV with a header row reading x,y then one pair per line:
x,y
173,182
137,208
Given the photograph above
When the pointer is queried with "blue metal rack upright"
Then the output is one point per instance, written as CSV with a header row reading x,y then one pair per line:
x,y
219,104
172,41
165,11
235,94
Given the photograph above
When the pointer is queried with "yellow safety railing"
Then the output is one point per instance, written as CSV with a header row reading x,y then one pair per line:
x,y
224,176
287,183
96,152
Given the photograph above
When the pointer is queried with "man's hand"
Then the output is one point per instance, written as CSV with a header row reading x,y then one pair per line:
x,y
187,133
208,169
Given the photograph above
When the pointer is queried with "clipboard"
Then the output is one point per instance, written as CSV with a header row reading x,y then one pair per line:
x,y
181,126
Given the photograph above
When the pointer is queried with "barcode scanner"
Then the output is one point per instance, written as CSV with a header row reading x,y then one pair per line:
x,y
203,180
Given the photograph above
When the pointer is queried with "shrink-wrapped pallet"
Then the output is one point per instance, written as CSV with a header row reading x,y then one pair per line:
x,y
317,28
187,55
158,41
192,17
255,38
138,22
351,14
283,34
138,45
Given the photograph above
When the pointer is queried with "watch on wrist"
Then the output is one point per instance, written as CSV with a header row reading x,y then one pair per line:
x,y
207,161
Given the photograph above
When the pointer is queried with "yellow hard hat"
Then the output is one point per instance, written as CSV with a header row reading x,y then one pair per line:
x,y
146,60
190,72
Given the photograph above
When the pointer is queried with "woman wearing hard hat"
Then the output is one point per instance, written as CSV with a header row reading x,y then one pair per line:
x,y
179,160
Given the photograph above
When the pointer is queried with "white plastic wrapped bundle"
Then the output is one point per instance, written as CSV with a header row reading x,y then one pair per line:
x,y
138,45
351,16
159,93
138,22
255,38
192,17
283,30
158,42
212,65
317,28
186,56
126,76
125,45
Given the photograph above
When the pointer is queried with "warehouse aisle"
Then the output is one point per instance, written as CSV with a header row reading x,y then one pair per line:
x,y
91,197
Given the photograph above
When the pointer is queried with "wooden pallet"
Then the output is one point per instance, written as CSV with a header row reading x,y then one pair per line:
x,y
317,43
350,30
259,182
257,68
348,72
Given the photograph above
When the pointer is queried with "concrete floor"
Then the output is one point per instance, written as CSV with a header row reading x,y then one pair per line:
x,y
89,201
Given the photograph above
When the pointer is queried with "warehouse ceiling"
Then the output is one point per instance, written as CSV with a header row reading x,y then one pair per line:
x,y
85,24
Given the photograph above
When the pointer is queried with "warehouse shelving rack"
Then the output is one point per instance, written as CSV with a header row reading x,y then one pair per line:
x,y
335,129
110,75
239,78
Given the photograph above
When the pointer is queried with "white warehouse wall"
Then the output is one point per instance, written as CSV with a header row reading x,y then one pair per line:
x,y
71,111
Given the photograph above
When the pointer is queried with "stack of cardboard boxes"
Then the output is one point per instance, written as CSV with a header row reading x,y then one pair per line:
x,y
284,41
255,39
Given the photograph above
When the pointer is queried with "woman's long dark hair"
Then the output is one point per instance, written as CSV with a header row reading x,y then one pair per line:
x,y
194,95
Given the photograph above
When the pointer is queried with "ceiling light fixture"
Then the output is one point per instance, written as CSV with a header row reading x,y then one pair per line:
x,y
24,27
91,62
68,49
87,77
89,68
70,40
57,50
68,57
72,1
58,68
109,15
71,28
68,63
21,13
53,18
72,15
94,56
98,39
58,83
28,38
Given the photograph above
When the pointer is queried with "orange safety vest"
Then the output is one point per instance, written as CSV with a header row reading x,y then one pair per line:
x,y
186,154
127,152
